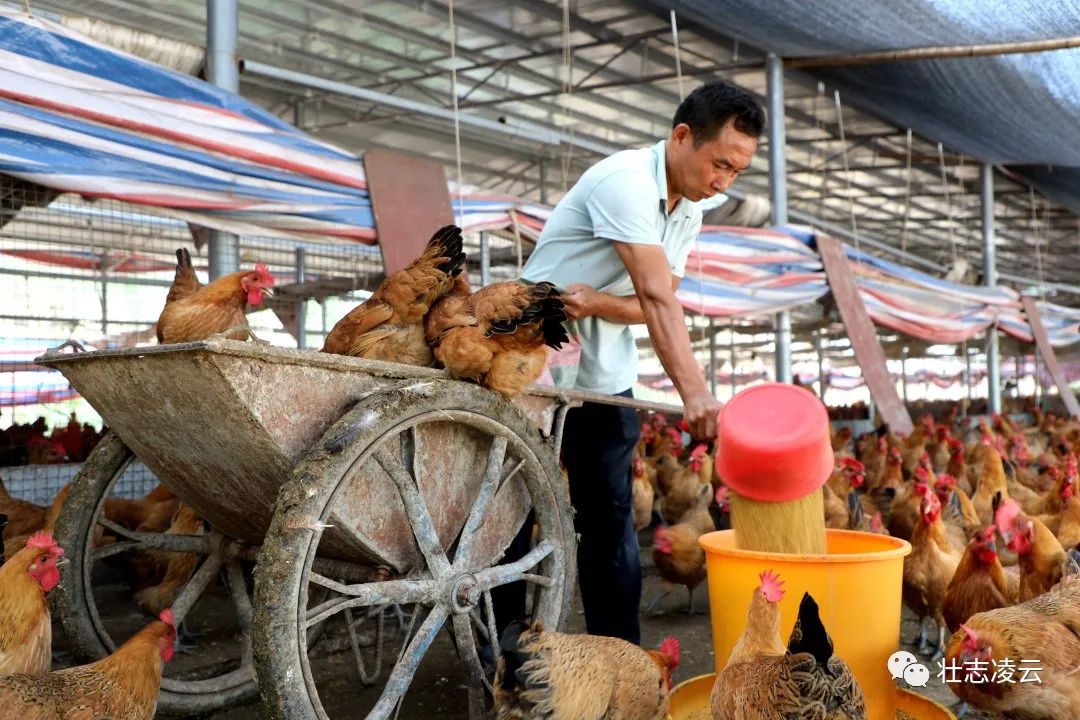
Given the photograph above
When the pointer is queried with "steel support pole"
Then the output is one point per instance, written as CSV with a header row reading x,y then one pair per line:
x,y
712,356
485,260
543,181
903,374
970,384
1038,379
301,305
774,71
731,347
993,359
819,345
222,24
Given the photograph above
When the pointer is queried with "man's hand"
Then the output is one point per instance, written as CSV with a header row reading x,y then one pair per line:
x,y
701,413
579,301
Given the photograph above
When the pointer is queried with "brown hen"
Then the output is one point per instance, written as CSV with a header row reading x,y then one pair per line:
x,y
498,335
212,308
389,325
556,676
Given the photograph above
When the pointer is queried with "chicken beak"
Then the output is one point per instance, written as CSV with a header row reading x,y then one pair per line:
x,y
267,292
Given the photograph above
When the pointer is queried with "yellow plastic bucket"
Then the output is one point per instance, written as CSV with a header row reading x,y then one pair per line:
x,y
690,701
856,584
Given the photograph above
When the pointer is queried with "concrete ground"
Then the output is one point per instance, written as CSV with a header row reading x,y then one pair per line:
x,y
439,687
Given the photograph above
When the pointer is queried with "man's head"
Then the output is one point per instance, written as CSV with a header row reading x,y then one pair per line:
x,y
713,137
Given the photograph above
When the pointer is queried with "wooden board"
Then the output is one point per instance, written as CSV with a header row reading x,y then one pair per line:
x,y
860,329
1047,352
409,200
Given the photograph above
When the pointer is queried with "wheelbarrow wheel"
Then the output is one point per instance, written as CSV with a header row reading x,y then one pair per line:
x,y
90,624
432,482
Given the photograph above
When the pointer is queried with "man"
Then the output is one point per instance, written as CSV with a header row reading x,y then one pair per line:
x,y
617,243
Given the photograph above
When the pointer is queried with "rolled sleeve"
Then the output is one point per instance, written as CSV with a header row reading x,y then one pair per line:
x,y
622,207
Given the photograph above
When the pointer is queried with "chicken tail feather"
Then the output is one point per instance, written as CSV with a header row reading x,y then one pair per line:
x,y
809,635
546,308
183,258
447,243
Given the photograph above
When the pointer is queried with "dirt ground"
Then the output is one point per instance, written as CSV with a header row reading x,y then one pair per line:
x,y
439,688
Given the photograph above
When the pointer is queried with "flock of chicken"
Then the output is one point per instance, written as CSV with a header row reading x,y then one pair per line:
x,y
421,315
993,516
992,512
953,492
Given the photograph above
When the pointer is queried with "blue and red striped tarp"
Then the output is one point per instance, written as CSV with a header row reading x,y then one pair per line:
x,y
78,116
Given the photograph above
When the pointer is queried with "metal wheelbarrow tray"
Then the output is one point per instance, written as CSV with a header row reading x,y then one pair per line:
x,y
355,485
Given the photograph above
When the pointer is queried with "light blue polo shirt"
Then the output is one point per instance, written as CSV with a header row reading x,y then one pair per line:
x,y
622,197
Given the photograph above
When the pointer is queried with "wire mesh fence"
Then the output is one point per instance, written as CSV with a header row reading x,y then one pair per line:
x,y
98,271
40,484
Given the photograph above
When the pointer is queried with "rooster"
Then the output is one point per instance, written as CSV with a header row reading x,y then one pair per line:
x,y
806,681
929,569
26,631
192,313
556,676
389,325
1042,558
761,637
123,686
980,582
499,334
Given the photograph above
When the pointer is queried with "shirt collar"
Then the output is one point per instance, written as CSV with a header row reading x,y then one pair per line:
x,y
682,207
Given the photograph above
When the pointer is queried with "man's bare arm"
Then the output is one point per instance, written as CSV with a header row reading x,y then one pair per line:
x,y
648,268
584,301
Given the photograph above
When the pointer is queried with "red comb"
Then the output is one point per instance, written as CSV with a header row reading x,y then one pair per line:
x,y
43,539
685,427
1006,515
698,450
264,273
771,586
166,617
672,649
947,480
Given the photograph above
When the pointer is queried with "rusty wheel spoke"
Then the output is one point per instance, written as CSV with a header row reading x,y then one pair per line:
x,y
423,526
402,674
511,572
489,485
195,587
242,601
466,646
391,592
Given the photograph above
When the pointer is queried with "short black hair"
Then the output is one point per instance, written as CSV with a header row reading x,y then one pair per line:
x,y
709,107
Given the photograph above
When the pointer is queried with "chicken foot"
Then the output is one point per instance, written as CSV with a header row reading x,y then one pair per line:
x,y
653,608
